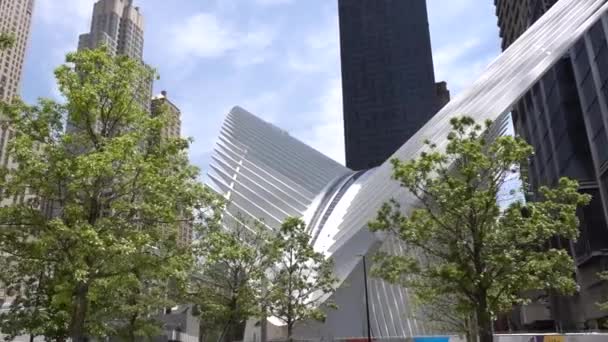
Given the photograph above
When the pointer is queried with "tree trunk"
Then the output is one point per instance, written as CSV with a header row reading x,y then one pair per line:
x,y
223,335
131,331
79,312
131,335
471,331
263,328
484,321
289,331
228,331
229,337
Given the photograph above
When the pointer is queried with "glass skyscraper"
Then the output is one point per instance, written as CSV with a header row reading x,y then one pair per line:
x,y
15,20
117,24
388,82
564,116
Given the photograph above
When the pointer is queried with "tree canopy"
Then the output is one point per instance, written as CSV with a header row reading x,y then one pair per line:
x,y
93,208
464,249
301,279
6,41
231,276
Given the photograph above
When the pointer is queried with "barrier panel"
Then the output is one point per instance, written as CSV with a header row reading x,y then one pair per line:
x,y
590,337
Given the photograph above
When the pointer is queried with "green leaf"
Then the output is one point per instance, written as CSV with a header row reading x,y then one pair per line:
x,y
105,205
467,257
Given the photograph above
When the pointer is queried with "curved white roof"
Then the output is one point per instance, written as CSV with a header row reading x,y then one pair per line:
x,y
267,174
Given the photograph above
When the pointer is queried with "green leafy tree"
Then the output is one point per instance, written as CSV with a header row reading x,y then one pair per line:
x,y
6,41
462,245
231,275
443,315
133,311
604,305
31,310
97,206
301,278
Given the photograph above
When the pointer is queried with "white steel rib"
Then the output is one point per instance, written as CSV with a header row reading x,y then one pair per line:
x,y
268,174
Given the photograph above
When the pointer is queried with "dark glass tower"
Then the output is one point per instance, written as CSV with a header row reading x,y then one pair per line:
x,y
388,83
565,118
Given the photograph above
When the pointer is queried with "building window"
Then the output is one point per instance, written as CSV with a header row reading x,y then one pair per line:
x,y
605,183
595,221
594,116
597,37
601,141
587,87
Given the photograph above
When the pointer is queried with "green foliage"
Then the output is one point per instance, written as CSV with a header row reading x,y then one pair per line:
x,y
300,279
89,232
245,271
463,246
231,276
6,41
31,310
603,276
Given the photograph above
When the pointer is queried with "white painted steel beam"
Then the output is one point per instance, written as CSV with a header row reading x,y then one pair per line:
x,y
264,171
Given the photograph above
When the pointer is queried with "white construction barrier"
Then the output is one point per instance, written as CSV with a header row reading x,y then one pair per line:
x,y
589,337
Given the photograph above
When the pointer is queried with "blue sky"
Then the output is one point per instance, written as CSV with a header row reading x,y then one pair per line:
x,y
276,58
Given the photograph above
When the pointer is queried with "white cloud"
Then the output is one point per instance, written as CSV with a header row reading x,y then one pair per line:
x,y
464,35
449,54
67,13
318,58
66,19
272,2
302,92
460,76
327,134
205,35
267,105
320,51
452,65
443,11
245,59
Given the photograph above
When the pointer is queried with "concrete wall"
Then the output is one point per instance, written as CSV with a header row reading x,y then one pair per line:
x,y
273,332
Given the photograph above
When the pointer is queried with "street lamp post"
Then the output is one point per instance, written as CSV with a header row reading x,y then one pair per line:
x,y
369,328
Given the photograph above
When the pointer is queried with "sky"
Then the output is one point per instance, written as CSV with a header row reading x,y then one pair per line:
x,y
279,59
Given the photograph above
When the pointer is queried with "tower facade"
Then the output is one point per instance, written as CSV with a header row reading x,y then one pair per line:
x,y
174,127
565,118
117,24
161,104
388,82
15,20
514,17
